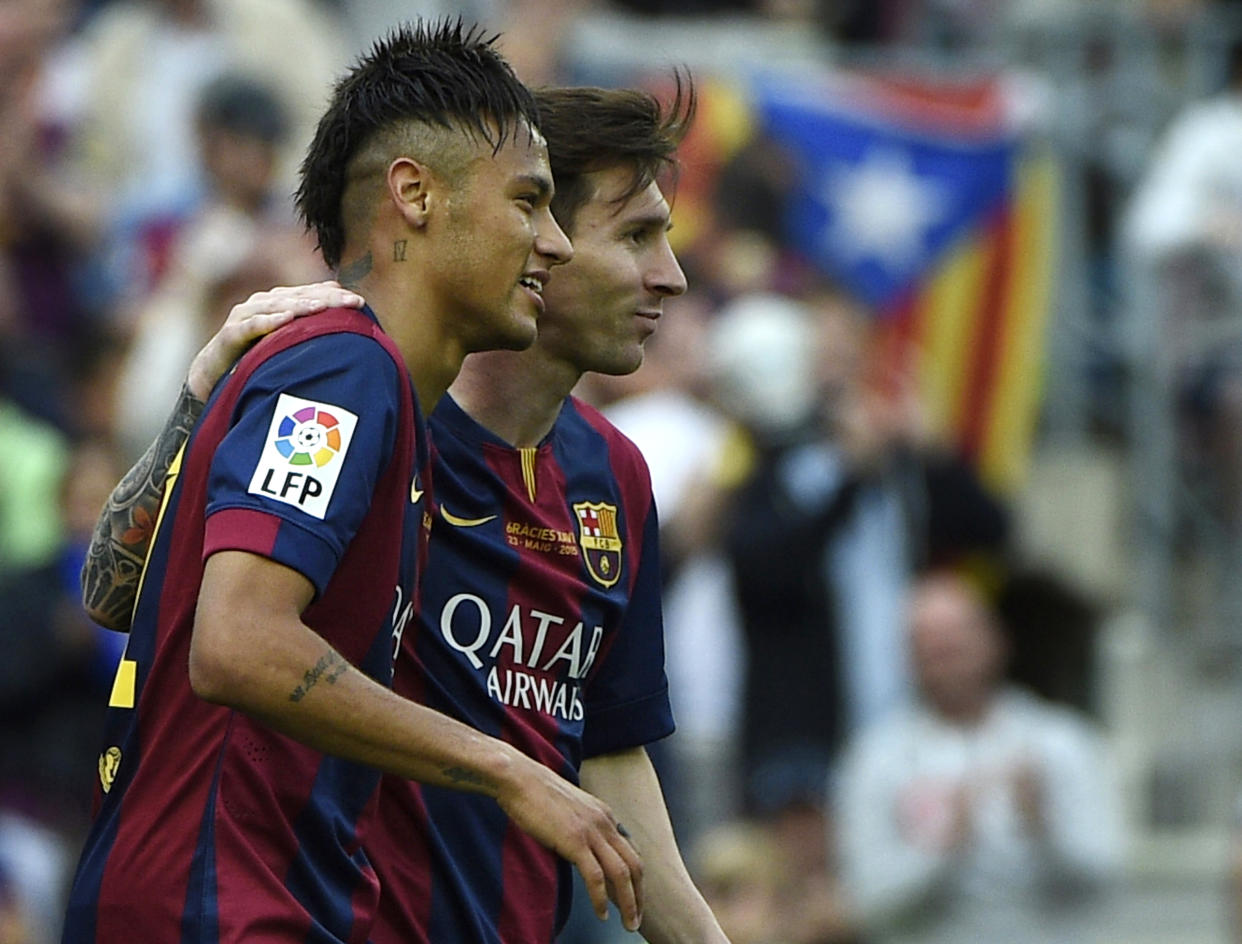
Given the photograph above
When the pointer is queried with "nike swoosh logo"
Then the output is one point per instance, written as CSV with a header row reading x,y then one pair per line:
x,y
457,522
415,492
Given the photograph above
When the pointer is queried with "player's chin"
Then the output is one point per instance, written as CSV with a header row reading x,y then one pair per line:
x,y
620,361
519,333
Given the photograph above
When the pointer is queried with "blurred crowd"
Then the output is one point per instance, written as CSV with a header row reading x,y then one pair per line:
x,y
887,718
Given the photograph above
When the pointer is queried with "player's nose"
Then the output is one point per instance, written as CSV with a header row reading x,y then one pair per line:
x,y
551,241
665,277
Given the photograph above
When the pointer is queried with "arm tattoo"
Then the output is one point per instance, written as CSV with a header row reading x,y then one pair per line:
x,y
464,775
118,550
330,667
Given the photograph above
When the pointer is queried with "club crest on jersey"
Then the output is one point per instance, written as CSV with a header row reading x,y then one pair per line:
x,y
600,540
303,453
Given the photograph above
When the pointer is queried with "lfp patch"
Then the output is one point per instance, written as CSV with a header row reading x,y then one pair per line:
x,y
303,454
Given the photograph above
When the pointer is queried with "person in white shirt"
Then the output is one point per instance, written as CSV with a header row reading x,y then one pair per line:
x,y
981,813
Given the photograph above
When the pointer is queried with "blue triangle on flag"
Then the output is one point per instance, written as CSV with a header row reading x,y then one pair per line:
x,y
879,201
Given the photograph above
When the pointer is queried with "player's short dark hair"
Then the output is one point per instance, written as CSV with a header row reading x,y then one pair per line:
x,y
593,129
439,74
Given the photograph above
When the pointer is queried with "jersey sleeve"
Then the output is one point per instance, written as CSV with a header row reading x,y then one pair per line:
x,y
627,703
310,435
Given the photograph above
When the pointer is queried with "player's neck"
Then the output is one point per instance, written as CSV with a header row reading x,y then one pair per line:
x,y
433,354
515,394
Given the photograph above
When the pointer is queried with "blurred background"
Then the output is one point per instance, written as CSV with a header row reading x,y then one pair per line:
x,y
946,435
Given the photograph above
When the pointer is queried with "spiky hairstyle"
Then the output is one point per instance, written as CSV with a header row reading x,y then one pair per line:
x,y
592,129
439,74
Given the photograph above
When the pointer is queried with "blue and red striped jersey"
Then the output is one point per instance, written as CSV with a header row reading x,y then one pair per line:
x,y
210,826
540,624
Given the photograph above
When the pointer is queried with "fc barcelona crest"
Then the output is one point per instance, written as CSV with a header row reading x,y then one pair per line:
x,y
600,540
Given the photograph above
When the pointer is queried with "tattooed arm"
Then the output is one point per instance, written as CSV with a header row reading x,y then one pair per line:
x,y
288,677
122,535
118,549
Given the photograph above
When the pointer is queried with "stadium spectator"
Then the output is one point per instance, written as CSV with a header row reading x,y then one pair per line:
x,y
52,691
30,528
1183,233
779,519
238,239
982,813
46,230
665,409
740,868
142,65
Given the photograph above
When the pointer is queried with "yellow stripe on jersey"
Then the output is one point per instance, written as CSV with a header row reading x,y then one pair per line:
x,y
174,470
125,685
529,454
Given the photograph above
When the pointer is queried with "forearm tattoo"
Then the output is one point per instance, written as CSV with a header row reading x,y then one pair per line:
x,y
330,667
464,775
122,536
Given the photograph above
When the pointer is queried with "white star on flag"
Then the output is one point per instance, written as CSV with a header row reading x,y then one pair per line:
x,y
882,209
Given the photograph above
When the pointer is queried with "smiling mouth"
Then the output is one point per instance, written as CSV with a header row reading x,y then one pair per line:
x,y
532,283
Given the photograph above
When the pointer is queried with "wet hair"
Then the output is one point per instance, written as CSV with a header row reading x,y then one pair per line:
x,y
594,129
422,77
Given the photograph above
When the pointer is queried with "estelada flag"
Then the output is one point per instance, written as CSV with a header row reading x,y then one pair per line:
x,y
933,205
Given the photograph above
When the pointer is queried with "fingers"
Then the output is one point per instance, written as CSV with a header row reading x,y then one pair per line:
x,y
260,314
612,870
596,883
582,829
252,327
294,301
628,895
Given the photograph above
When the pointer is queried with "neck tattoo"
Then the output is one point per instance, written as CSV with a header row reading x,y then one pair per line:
x,y
350,275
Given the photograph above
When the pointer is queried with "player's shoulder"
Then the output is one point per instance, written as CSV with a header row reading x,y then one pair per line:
x,y
623,452
596,421
335,322
341,337
339,357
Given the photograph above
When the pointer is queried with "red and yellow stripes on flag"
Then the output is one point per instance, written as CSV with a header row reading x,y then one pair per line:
x,y
724,122
974,330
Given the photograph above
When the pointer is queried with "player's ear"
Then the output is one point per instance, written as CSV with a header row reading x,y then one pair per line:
x,y
409,185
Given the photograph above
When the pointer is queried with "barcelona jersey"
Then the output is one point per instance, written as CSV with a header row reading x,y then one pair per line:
x,y
209,826
539,624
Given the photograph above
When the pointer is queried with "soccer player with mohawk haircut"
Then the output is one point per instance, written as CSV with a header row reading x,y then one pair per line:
x,y
251,714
